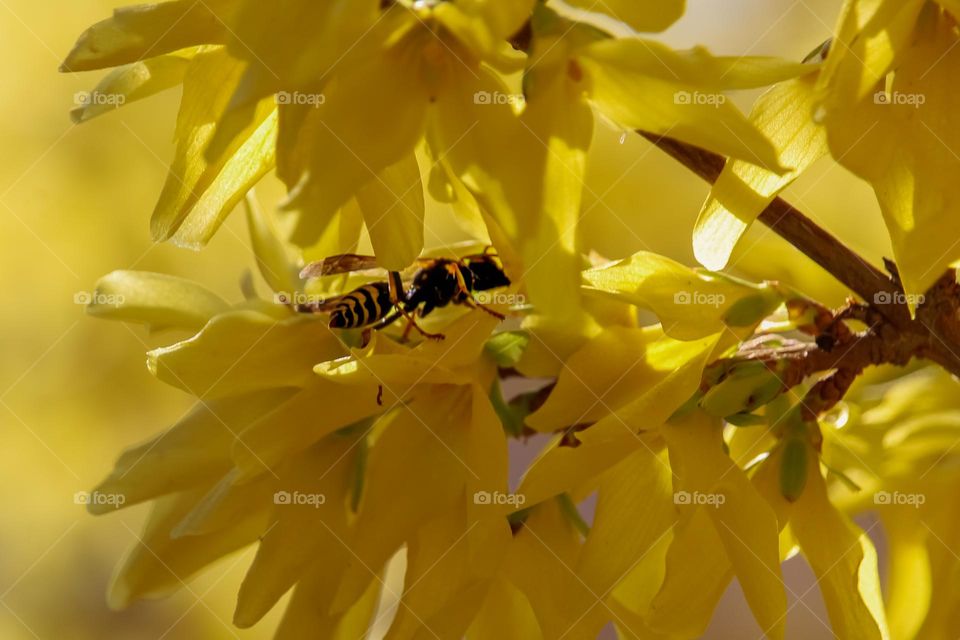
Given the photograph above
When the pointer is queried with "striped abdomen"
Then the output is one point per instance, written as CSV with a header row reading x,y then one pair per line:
x,y
362,307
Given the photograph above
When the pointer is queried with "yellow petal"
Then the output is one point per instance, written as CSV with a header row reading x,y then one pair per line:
x,y
486,455
558,125
484,28
528,174
541,563
300,421
192,452
444,584
695,66
225,505
274,259
870,36
392,207
909,581
609,371
294,43
843,559
634,513
785,115
697,573
302,532
561,469
484,145
506,614
200,193
155,299
903,141
158,564
631,92
133,82
348,139
244,351
304,620
503,19
416,470
341,234
148,30
690,304
641,16
747,527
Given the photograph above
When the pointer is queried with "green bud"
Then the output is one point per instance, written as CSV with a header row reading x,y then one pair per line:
x,y
748,386
746,420
750,310
507,348
793,469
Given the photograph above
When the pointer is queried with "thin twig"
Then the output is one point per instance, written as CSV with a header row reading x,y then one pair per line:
x,y
803,233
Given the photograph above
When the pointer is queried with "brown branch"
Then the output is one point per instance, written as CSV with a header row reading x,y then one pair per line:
x,y
936,327
790,224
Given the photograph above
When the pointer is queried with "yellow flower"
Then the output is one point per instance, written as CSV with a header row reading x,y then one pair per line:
x,y
349,112
881,107
340,454
332,489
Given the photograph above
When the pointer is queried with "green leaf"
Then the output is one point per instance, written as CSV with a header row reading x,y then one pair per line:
x,y
510,417
793,468
507,347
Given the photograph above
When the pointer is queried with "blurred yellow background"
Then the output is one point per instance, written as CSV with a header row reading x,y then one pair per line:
x,y
74,205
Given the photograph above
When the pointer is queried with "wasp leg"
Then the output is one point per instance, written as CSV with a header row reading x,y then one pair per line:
x,y
473,304
380,395
365,337
395,281
406,332
466,298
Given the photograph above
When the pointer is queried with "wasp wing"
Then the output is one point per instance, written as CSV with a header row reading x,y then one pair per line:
x,y
343,263
350,263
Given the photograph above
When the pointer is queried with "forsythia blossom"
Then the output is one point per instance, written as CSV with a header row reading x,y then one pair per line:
x,y
335,451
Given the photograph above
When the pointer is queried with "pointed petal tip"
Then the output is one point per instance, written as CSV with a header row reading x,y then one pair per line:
x,y
119,594
707,254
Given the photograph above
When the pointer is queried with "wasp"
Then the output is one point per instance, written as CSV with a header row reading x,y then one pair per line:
x,y
436,283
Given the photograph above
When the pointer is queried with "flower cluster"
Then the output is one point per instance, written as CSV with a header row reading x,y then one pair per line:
x,y
671,394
